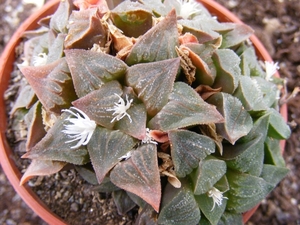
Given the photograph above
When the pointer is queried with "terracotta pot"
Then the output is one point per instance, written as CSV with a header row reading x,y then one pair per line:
x,y
6,66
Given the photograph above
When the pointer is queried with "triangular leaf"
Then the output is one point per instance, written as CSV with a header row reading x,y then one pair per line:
x,y
273,152
137,126
206,204
249,62
106,186
201,28
90,69
106,147
187,149
158,7
228,71
278,128
246,191
157,44
201,54
60,18
133,18
237,35
140,175
56,77
35,125
269,91
41,168
25,99
56,50
185,108
54,147
85,30
229,218
97,103
179,206
122,201
153,82
250,94
246,157
87,173
273,174
238,121
209,172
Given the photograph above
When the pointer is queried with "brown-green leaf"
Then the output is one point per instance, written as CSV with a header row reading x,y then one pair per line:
x,y
228,71
179,206
185,108
85,29
208,173
187,149
133,18
41,168
90,69
157,44
238,121
246,191
96,103
140,175
59,91
54,147
250,94
106,147
237,35
153,82
59,19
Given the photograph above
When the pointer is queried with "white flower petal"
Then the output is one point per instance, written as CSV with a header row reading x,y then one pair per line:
x,y
188,8
120,109
271,68
217,197
80,128
40,59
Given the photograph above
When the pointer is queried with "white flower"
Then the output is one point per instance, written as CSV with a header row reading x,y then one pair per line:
x,y
40,59
120,109
188,8
126,156
148,139
271,69
217,196
81,129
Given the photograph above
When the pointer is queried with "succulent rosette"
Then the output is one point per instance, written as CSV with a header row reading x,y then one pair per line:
x,y
157,102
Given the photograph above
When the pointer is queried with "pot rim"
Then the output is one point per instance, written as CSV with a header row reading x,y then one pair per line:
x,y
8,56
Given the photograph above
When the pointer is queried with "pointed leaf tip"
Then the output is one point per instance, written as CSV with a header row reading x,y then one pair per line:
x,y
140,175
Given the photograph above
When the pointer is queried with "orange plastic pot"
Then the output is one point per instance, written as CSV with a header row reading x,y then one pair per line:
x,y
6,66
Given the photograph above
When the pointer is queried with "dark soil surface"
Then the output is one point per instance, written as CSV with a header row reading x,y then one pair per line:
x,y
277,24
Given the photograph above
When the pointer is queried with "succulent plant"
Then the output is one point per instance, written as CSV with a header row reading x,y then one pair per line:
x,y
157,102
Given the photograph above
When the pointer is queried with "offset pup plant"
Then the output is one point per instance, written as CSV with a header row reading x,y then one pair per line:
x,y
158,103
